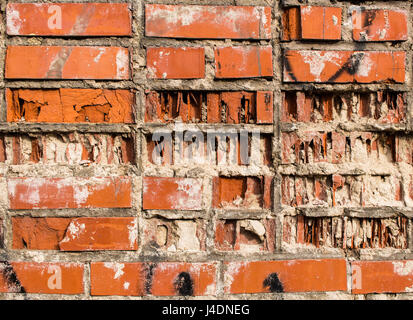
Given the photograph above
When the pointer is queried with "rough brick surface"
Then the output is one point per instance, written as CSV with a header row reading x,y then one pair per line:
x,y
206,150
32,277
175,63
243,62
70,105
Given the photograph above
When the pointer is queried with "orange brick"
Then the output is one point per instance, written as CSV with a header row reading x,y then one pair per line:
x,y
175,63
379,25
68,19
344,66
113,278
55,193
207,22
312,23
242,192
177,193
243,62
264,107
32,277
55,62
78,234
158,279
189,279
286,276
70,105
320,23
381,276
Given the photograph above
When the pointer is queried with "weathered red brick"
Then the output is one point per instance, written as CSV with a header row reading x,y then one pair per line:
x,y
70,105
242,192
114,278
53,193
45,277
379,24
74,234
175,63
158,279
243,62
207,22
56,62
286,276
312,23
344,232
68,19
381,106
177,193
381,276
344,66
264,107
184,279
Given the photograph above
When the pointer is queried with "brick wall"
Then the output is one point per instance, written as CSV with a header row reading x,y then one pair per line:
x,y
120,174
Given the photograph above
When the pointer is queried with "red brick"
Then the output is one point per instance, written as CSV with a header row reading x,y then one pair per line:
x,y
207,22
379,25
264,107
339,66
242,192
55,62
381,106
68,19
55,193
221,106
51,278
113,278
177,193
312,23
243,62
70,105
169,279
291,24
157,279
175,63
382,276
293,275
74,234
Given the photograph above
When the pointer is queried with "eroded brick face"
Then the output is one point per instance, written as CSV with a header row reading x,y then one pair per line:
x,y
345,233
70,105
206,150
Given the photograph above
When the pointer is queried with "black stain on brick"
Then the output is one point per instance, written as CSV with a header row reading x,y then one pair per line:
x,y
350,66
149,271
11,278
184,284
273,283
288,68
